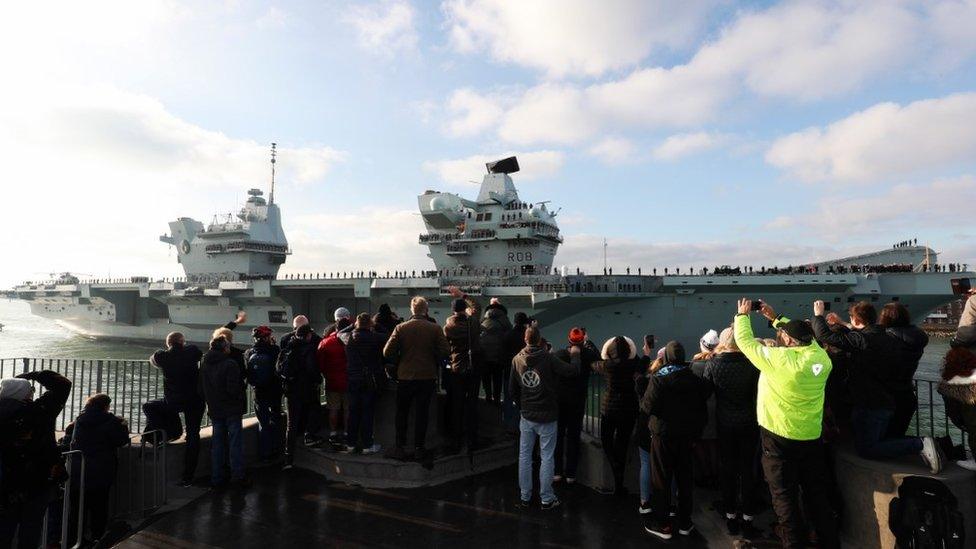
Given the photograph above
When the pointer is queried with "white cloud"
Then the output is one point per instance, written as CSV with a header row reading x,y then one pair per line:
x,y
800,51
885,140
472,113
931,205
877,215
568,37
550,113
686,144
534,165
385,28
386,239
97,173
273,18
613,150
586,251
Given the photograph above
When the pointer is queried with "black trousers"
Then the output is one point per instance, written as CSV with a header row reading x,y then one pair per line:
x,y
905,404
737,448
25,521
492,381
672,462
410,392
303,402
615,431
192,417
463,415
568,430
791,466
96,512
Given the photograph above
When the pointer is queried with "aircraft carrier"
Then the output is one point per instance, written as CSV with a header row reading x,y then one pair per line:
x,y
496,245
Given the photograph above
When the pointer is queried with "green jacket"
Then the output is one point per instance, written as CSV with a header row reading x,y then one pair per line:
x,y
790,399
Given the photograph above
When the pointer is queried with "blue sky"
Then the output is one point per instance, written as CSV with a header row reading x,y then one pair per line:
x,y
694,133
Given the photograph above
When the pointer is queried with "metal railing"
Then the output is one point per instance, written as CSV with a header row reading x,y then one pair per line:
x,y
132,479
130,384
930,418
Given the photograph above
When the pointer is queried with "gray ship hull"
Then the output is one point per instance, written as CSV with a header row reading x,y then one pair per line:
x,y
672,307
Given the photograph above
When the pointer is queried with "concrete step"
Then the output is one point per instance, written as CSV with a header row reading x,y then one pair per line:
x,y
378,471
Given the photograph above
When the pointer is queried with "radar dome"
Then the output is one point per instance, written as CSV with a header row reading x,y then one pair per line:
x,y
444,202
538,212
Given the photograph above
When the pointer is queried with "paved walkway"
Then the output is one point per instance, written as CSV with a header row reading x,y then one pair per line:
x,y
299,508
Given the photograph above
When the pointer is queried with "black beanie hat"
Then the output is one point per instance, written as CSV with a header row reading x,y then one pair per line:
x,y
460,305
799,330
385,310
674,353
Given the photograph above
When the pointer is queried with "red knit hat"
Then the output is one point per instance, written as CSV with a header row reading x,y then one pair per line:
x,y
577,336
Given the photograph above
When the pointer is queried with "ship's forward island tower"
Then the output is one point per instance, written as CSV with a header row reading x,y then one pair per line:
x,y
495,235
247,246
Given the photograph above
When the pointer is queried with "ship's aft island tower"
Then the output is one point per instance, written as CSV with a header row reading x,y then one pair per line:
x,y
495,235
246,246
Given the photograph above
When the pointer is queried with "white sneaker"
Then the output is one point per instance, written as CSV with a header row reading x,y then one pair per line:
x,y
570,480
374,449
932,454
557,478
968,464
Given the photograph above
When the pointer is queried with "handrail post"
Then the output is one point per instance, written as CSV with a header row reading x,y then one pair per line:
x,y
98,378
81,506
26,360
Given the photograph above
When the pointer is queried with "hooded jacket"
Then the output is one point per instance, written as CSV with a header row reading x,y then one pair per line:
x,y
222,383
385,320
573,390
735,382
180,367
28,450
463,333
959,376
417,347
790,396
331,356
494,330
533,385
619,395
260,356
675,398
364,352
910,342
98,434
873,353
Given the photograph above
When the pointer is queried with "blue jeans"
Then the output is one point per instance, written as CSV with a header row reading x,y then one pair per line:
x,y
362,404
645,474
226,428
268,412
547,449
870,426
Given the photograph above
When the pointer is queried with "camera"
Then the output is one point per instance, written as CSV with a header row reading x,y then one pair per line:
x,y
757,305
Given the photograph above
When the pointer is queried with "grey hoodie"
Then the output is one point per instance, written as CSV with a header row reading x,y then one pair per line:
x,y
533,382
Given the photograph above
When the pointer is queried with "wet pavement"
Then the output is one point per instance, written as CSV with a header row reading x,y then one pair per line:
x,y
299,508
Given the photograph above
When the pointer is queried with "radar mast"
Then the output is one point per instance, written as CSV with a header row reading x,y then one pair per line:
x,y
274,153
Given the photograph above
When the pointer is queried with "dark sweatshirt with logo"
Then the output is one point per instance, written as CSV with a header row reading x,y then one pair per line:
x,y
534,385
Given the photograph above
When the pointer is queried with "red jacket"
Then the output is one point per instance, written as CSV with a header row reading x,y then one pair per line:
x,y
331,356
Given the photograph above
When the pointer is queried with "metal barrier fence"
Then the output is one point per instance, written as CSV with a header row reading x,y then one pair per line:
x,y
930,418
130,384
136,492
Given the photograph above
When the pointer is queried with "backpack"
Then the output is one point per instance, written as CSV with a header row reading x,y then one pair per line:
x,y
290,363
260,367
161,415
926,515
